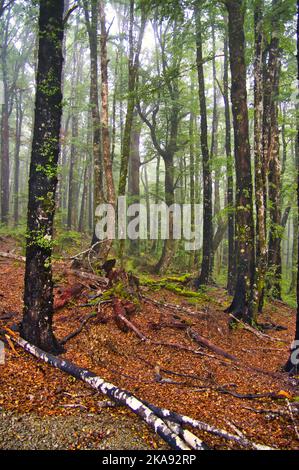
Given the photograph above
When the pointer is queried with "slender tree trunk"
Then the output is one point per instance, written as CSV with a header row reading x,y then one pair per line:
x,y
204,276
192,175
242,304
36,326
274,175
261,242
75,131
134,169
81,223
168,246
19,123
133,66
230,170
91,21
5,128
110,190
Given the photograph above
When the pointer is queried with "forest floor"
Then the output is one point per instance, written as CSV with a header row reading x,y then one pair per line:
x,y
43,408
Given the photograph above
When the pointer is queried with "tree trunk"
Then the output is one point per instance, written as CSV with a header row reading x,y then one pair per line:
x,y
261,242
275,229
36,326
206,265
74,141
230,169
134,169
110,190
242,304
291,366
91,21
5,128
19,122
133,66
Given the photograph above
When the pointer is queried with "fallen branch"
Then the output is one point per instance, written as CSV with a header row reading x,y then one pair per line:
x,y
122,396
78,330
207,344
256,332
99,280
177,308
187,421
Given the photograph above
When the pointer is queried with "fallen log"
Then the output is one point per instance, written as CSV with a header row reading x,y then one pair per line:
x,y
187,421
212,347
121,396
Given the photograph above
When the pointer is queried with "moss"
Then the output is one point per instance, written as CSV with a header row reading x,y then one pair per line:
x,y
172,284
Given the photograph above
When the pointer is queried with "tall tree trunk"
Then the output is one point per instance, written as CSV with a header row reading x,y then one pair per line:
x,y
134,169
19,123
91,21
261,240
75,130
192,174
36,326
133,66
5,127
230,169
168,245
107,162
204,276
242,304
274,175
291,366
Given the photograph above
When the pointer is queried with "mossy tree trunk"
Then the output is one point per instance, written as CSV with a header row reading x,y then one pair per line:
x,y
36,326
290,365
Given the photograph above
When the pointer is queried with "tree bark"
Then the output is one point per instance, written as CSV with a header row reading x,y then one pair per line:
x,y
133,67
5,126
230,169
36,325
261,235
206,264
107,162
19,123
242,304
91,21
290,366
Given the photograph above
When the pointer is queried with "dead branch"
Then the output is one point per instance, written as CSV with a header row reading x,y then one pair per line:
x,y
78,330
256,332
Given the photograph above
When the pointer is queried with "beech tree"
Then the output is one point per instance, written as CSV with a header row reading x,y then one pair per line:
x,y
36,326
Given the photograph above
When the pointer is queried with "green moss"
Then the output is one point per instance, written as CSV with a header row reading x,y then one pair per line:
x,y
173,284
